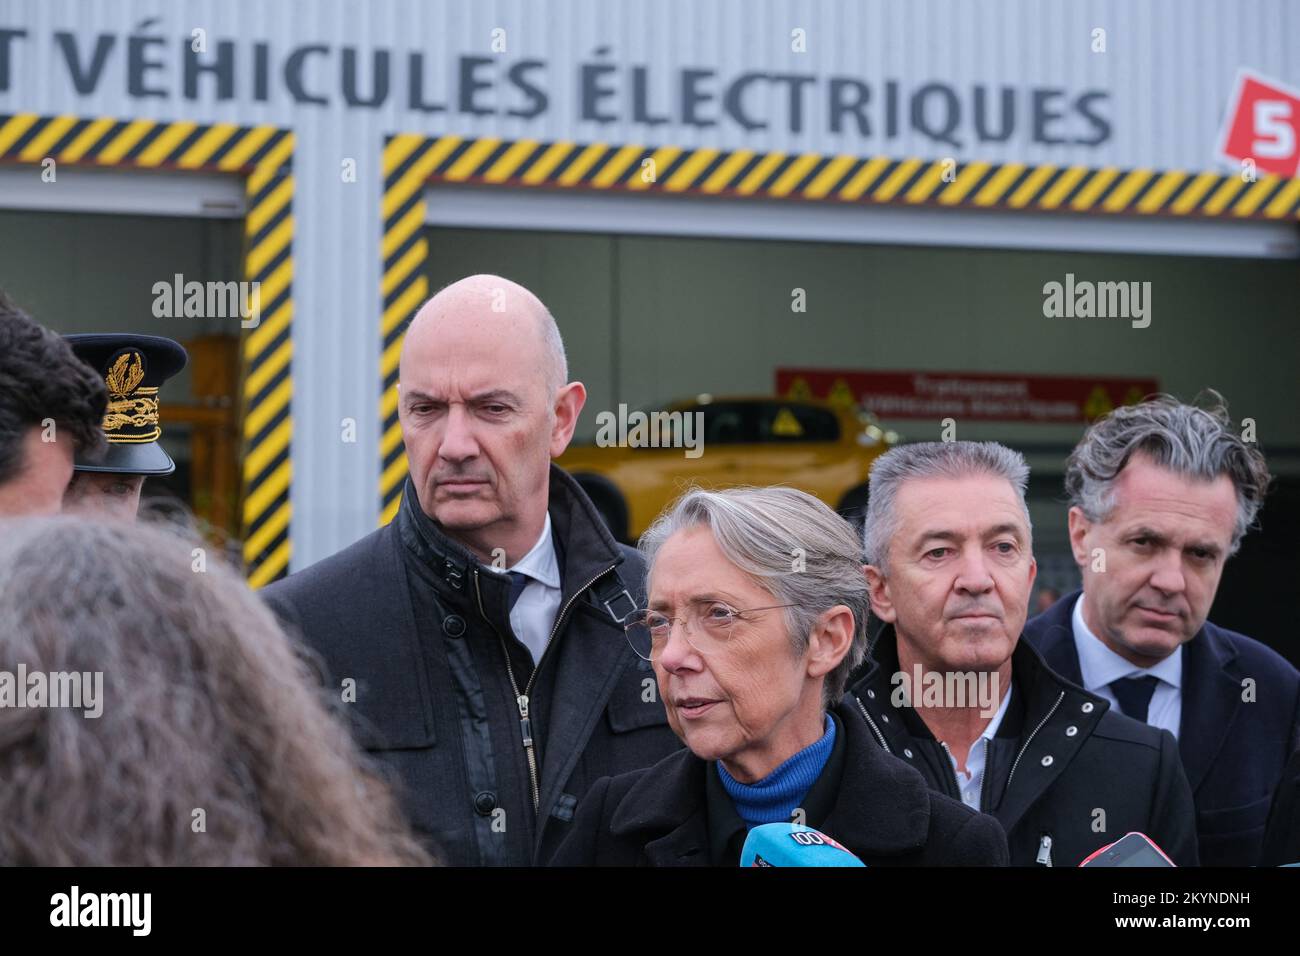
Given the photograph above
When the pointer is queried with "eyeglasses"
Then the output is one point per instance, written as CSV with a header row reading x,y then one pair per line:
x,y
708,626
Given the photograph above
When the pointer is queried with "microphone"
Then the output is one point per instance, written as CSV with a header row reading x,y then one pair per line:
x,y
789,844
1132,849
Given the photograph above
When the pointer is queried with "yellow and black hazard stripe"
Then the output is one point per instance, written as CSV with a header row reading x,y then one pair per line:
x,y
779,175
410,161
264,155
268,364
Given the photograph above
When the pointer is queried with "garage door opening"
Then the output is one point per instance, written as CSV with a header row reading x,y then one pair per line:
x,y
652,319
98,271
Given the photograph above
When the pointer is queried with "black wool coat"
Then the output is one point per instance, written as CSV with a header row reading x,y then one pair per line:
x,y
422,632
884,814
1064,775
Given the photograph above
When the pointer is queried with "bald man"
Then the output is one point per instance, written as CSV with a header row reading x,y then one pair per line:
x,y
477,639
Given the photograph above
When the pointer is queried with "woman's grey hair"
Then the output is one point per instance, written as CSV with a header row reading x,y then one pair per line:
x,y
953,459
788,543
1190,440
206,706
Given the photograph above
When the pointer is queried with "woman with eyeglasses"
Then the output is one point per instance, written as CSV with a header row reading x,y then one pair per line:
x,y
756,616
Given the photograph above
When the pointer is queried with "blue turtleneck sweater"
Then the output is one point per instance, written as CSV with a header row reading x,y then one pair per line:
x,y
774,798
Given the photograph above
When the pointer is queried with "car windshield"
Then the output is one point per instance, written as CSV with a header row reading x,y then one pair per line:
x,y
753,422
793,422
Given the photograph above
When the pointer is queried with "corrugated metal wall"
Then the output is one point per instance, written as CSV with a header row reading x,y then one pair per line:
x,y
1168,64
1167,72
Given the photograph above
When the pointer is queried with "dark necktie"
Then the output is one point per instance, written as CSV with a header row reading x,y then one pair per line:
x,y
1134,695
518,581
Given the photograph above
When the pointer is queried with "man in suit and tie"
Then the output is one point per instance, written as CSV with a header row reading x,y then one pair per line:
x,y
481,630
1161,495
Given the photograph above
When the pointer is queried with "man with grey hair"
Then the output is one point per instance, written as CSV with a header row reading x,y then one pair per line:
x,y
952,689
1161,494
478,638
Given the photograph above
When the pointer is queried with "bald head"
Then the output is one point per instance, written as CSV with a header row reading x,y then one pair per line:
x,y
485,404
498,309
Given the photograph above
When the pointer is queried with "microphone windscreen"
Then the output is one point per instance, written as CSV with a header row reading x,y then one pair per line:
x,y
789,844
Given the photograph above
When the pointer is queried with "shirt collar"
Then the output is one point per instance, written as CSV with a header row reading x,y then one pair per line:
x,y
539,563
992,729
1099,666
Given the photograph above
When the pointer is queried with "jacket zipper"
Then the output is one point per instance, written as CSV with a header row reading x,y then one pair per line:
x,y
1044,857
872,723
1030,739
521,699
986,783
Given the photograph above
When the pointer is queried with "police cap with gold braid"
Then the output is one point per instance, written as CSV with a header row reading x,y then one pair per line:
x,y
133,367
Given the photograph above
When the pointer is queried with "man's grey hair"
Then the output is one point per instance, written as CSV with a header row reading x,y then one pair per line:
x,y
1190,440
788,543
953,459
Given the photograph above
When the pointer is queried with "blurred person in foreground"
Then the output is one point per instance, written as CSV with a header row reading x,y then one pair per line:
x,y
152,713
756,616
51,407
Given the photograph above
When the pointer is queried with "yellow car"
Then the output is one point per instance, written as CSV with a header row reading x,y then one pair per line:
x,y
642,460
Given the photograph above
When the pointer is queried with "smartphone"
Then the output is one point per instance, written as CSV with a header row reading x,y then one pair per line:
x,y
1132,849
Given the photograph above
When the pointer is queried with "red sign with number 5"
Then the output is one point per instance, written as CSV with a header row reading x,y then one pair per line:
x,y
1263,125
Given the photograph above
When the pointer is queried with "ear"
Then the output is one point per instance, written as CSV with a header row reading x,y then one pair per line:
x,y
568,406
882,605
1079,528
830,640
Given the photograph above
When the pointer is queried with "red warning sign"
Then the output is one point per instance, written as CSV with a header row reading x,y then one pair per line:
x,y
1262,125
969,396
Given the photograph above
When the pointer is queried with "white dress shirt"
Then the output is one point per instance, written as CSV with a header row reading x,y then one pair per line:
x,y
534,613
972,781
1099,665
